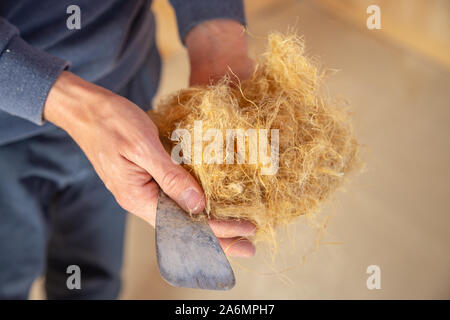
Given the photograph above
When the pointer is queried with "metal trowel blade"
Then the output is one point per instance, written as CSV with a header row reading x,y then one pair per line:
x,y
189,254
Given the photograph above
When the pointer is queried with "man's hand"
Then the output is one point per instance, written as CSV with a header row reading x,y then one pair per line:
x,y
122,144
214,48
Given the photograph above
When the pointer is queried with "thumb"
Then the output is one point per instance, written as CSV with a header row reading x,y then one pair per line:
x,y
175,181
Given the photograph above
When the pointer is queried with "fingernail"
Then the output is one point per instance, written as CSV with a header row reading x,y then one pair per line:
x,y
191,200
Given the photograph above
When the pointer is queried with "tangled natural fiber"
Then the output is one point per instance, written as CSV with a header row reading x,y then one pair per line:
x,y
317,148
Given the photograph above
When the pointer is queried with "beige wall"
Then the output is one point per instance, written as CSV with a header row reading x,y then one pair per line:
x,y
422,26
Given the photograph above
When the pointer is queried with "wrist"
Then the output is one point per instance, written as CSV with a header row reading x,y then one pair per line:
x,y
72,101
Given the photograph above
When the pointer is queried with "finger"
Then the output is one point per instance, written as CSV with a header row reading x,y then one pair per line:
x,y
232,228
135,189
237,247
176,182
146,200
140,200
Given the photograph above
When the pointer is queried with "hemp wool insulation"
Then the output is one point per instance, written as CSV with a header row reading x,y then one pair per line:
x,y
317,148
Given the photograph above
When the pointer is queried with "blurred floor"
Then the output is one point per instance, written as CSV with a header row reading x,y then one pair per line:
x,y
395,215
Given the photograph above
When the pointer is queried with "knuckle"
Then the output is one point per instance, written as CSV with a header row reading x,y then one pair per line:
x,y
171,180
141,148
113,100
134,149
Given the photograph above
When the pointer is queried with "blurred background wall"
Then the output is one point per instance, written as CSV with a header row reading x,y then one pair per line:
x,y
396,214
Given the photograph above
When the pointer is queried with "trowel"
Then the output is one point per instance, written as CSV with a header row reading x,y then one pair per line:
x,y
189,254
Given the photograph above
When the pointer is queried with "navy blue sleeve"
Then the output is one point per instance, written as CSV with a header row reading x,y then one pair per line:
x,y
26,75
192,12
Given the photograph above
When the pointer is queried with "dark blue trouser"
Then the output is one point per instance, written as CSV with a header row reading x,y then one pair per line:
x,y
56,212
